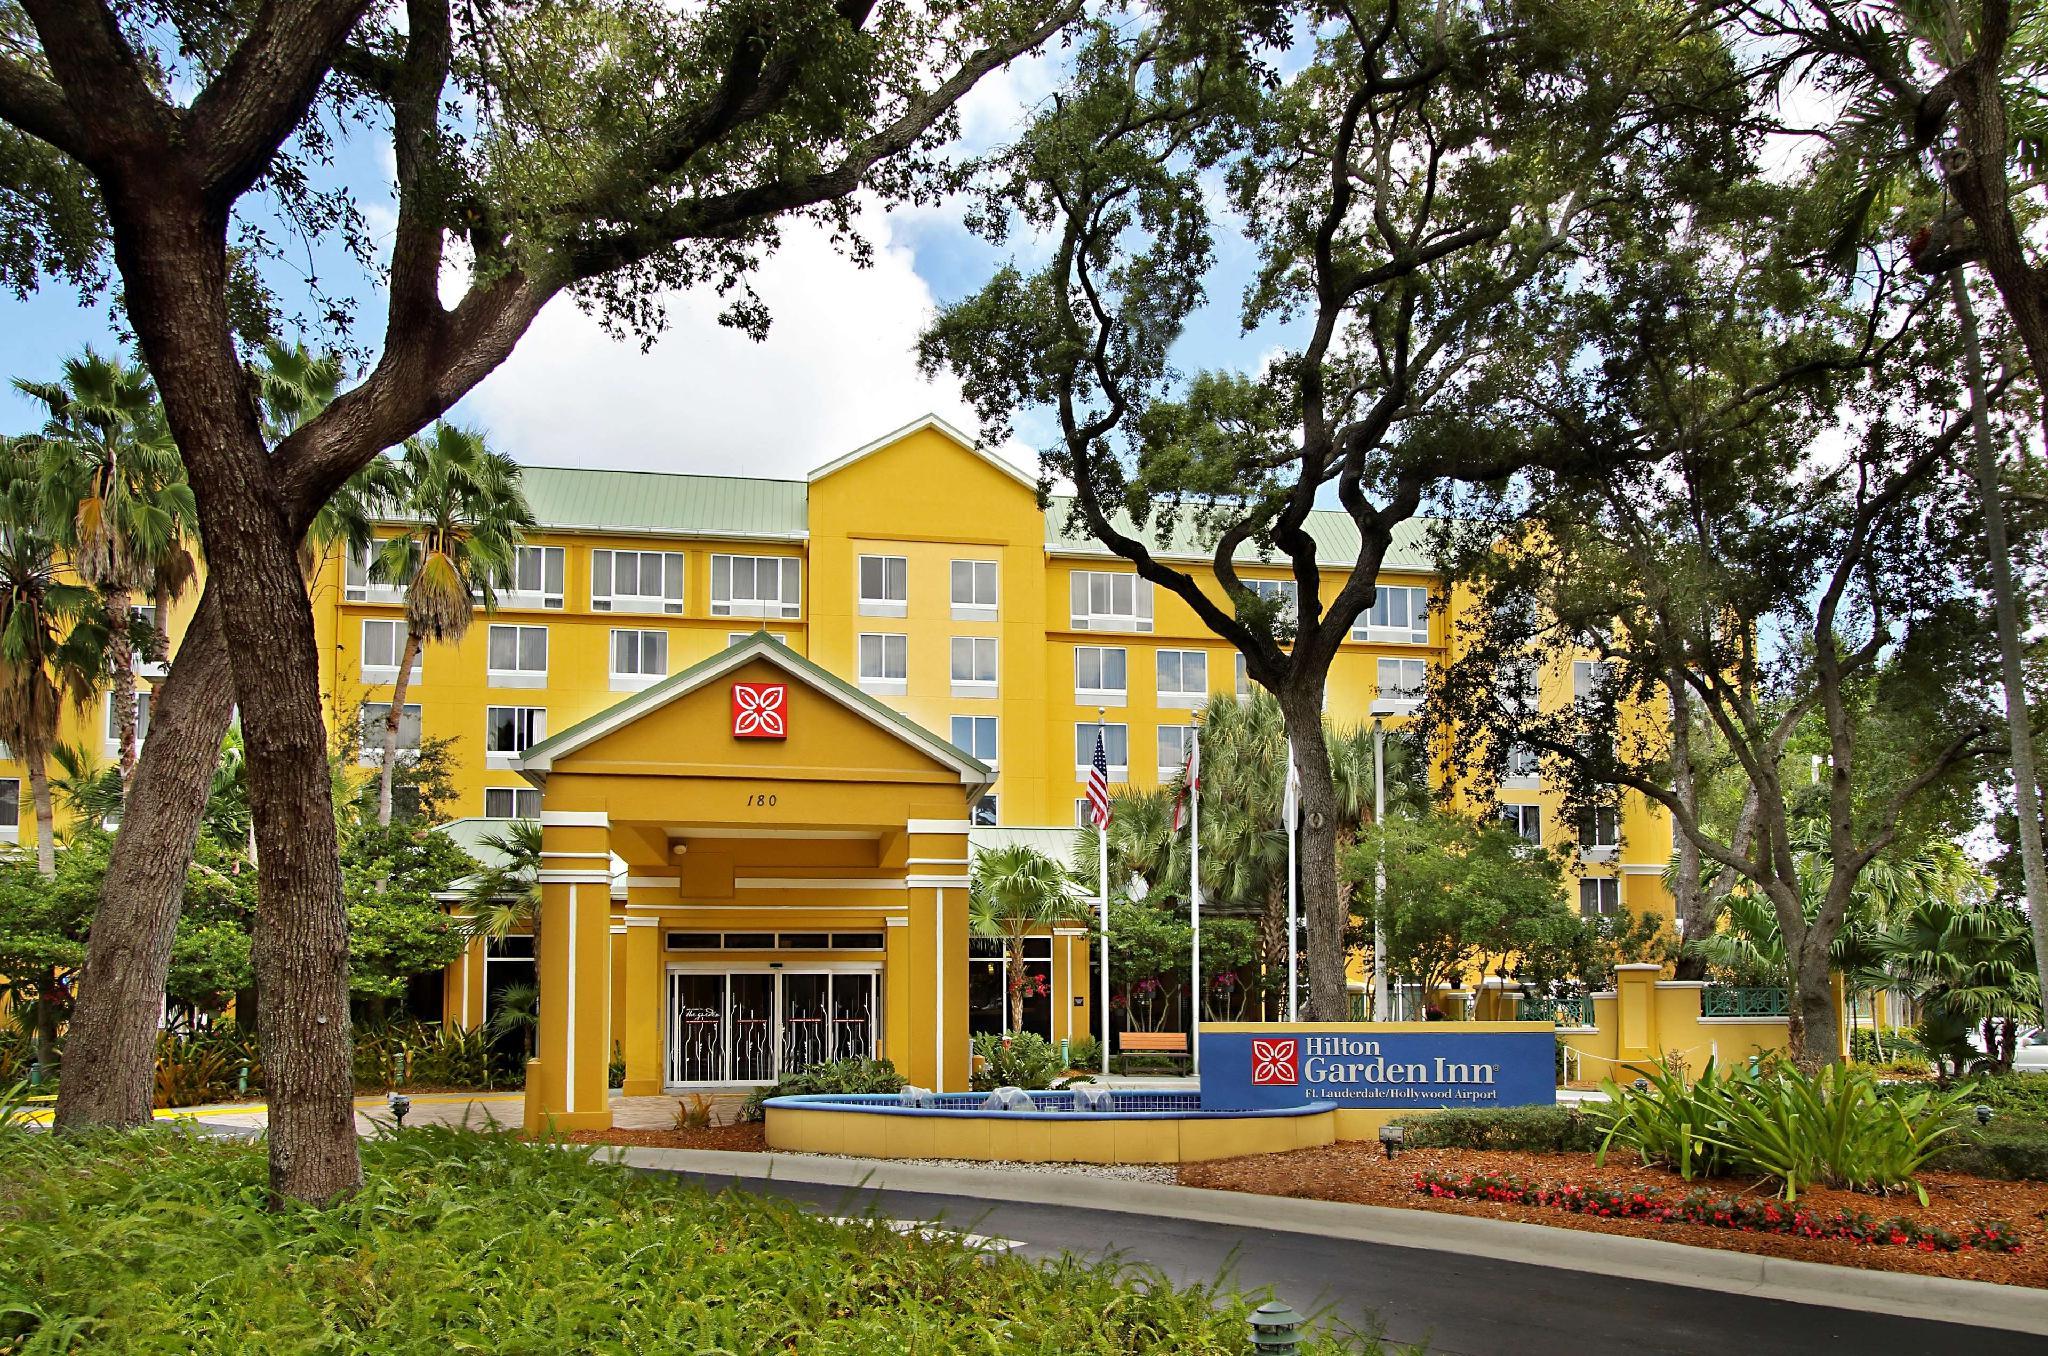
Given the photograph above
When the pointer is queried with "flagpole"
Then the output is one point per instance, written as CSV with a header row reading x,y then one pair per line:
x,y
1293,935
1379,872
1102,842
1195,895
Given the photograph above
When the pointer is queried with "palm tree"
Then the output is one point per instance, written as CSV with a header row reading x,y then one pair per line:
x,y
116,499
463,513
504,897
1971,965
294,383
90,789
1012,893
52,642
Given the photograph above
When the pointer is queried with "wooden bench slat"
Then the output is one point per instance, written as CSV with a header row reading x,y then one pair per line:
x,y
1170,1041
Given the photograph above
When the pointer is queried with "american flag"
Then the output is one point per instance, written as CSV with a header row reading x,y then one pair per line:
x,y
1190,782
1098,785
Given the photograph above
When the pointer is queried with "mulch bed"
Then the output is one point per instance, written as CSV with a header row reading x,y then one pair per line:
x,y
739,1137
1360,1173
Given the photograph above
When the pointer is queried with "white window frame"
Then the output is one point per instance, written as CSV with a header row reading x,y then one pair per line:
x,y
1377,623
1095,609
515,677
1385,704
893,599
366,589
604,583
984,586
1181,695
534,717
1171,762
1102,694
985,813
144,699
1518,817
1599,832
638,680
1523,768
1287,590
515,794
1084,748
1244,680
10,825
1606,892
976,649
388,673
1588,675
373,750
512,594
787,600
876,645
976,723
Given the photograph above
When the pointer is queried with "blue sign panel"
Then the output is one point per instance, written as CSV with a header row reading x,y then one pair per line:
x,y
1444,1066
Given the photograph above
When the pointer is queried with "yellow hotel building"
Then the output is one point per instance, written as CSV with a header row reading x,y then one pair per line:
x,y
720,907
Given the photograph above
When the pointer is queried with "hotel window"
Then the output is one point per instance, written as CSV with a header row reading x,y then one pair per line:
x,y
985,812
884,586
10,808
1244,682
1523,766
1286,591
974,666
755,586
535,579
374,716
1100,674
1183,677
636,581
142,705
1600,829
359,587
884,664
1398,614
974,590
510,731
511,802
383,645
639,659
1589,678
1081,819
735,637
1599,898
976,735
1402,682
1115,747
1103,601
1173,750
516,656
1525,821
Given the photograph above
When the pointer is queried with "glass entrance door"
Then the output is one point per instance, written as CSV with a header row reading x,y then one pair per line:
x,y
755,1026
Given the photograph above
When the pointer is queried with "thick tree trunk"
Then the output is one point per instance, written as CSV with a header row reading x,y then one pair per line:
x,y
111,1048
46,813
391,720
173,259
121,660
1814,1034
1322,905
2011,645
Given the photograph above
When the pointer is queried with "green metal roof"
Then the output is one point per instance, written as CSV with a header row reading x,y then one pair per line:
x,y
576,498
765,645
1335,536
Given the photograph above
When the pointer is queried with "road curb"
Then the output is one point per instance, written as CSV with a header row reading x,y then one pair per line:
x,y
1976,1303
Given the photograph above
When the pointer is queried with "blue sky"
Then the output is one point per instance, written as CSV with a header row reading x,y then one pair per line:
x,y
836,371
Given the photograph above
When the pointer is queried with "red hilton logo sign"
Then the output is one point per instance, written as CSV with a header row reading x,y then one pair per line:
x,y
760,711
1276,1062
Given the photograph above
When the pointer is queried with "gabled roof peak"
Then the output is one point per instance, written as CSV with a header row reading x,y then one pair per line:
x,y
933,422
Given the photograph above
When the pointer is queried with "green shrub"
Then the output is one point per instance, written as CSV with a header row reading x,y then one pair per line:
x,y
1084,1052
1895,1047
189,1072
2008,1150
2024,1095
160,1242
1839,1127
1022,1059
1524,1129
451,1057
838,1075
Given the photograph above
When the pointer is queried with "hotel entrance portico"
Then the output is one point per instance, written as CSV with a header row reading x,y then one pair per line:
x,y
795,887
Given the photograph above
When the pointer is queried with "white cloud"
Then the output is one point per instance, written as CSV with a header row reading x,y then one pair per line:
x,y
838,370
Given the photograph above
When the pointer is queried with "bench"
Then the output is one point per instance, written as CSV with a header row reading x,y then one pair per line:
x,y
1153,1042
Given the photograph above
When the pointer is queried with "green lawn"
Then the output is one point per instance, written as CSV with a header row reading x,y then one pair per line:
x,y
159,1241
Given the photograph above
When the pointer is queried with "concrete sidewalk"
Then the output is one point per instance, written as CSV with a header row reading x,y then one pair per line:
x,y
1974,1303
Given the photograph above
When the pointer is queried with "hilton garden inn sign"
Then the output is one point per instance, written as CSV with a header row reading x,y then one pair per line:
x,y
1379,1066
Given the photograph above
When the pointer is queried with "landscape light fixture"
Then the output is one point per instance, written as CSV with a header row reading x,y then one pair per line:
x,y
400,1104
1983,1115
1391,1139
1275,1328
